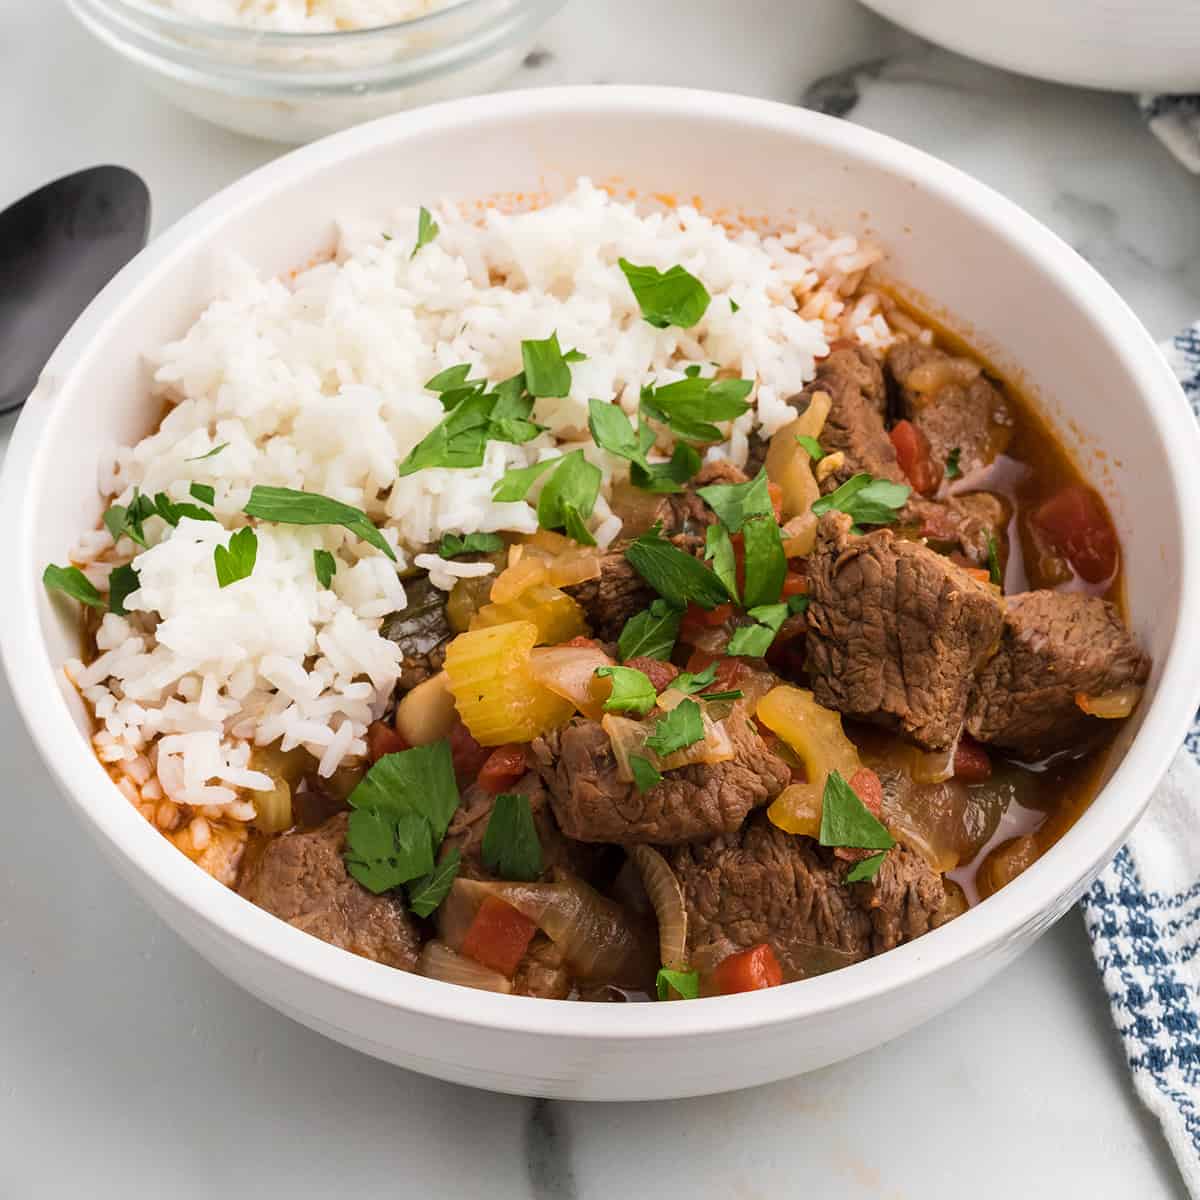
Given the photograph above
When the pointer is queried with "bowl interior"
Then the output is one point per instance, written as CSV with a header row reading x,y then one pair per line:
x,y
1014,289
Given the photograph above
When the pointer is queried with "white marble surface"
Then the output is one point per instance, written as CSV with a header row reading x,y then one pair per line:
x,y
128,1067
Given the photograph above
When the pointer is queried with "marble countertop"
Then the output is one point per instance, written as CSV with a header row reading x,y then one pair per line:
x,y
129,1067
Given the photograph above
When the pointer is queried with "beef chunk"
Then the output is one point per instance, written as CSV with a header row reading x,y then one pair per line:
x,y
421,631
301,878
896,631
661,674
953,409
963,524
1055,646
697,801
763,885
542,972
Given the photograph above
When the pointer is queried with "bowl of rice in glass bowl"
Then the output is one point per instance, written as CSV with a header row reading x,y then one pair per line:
x,y
361,529
291,71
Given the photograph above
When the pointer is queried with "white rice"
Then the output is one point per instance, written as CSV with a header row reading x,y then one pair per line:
x,y
316,383
305,16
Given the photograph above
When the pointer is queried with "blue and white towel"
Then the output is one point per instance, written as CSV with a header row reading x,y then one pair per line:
x,y
1143,913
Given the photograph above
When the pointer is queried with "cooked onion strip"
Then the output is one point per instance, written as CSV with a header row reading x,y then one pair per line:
x,y
667,897
1111,706
438,961
570,672
628,737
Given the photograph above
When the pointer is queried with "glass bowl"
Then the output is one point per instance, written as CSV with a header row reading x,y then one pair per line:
x,y
294,87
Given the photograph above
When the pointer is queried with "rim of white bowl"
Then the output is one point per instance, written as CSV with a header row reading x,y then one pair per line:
x,y
1042,890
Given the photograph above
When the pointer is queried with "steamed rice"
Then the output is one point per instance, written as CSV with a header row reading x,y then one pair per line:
x,y
317,383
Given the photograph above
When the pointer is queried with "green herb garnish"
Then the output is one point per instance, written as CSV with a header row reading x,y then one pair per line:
x,y
632,690
798,604
127,520
766,562
753,641
952,468
671,297
810,446
613,431
122,582
866,500
71,581
866,870
511,848
515,483
686,984
453,544
690,405
569,496
453,379
211,453
325,567
427,230
690,683
995,575
427,892
546,370
204,492
285,506
736,503
646,776
173,511
673,573
734,306
679,728
718,550
846,820
650,634
237,561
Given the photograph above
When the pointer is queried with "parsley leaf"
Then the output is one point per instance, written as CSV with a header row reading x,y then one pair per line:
x,y
173,511
74,583
811,447
679,728
632,690
669,476
846,820
546,371
766,562
419,780
867,869
734,306
385,849
569,496
325,566
511,848
646,775
613,431
516,482
452,379
686,984
995,574
211,454
718,549
953,471
673,573
204,492
285,506
427,892
650,634
127,520
736,503
798,604
689,683
237,561
734,694
753,641
866,500
671,297
427,230
453,544
689,406
122,582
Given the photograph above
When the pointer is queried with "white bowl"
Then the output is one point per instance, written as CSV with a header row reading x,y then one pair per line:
x,y
1027,297
1122,45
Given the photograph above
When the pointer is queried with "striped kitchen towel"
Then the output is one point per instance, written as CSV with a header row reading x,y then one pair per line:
x,y
1175,121
1143,916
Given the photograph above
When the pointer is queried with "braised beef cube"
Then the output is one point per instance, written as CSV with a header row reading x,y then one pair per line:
x,y
763,885
1056,646
301,878
896,631
963,524
543,972
619,593
421,630
952,403
697,801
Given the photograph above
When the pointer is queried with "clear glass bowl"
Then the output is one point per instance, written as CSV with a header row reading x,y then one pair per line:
x,y
293,87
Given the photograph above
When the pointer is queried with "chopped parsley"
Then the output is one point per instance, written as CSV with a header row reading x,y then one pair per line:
x,y
810,446
866,500
427,230
204,492
846,820
953,471
122,583
650,634
690,405
71,581
453,544
646,775
236,562
511,848
632,690
325,567
427,892
285,506
690,683
613,431
798,604
766,562
735,503
734,306
127,520
685,984
546,370
673,573
516,482
569,496
452,379
866,870
671,297
676,730
173,511
995,574
718,550
211,453
753,641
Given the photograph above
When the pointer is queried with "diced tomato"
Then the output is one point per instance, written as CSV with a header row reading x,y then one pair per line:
x,y
747,971
794,584
696,619
383,739
467,754
730,672
1077,525
776,494
979,574
916,458
971,762
498,936
865,784
658,672
699,659
504,766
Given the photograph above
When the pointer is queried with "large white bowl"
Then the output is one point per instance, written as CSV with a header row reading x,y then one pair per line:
x,y
1026,295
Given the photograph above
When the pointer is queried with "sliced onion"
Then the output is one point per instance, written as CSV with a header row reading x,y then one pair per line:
x,y
667,897
427,713
1111,706
456,912
575,566
628,737
523,572
570,672
438,961
598,939
800,535
788,463
637,508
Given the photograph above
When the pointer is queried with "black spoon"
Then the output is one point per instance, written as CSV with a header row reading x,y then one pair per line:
x,y
58,247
